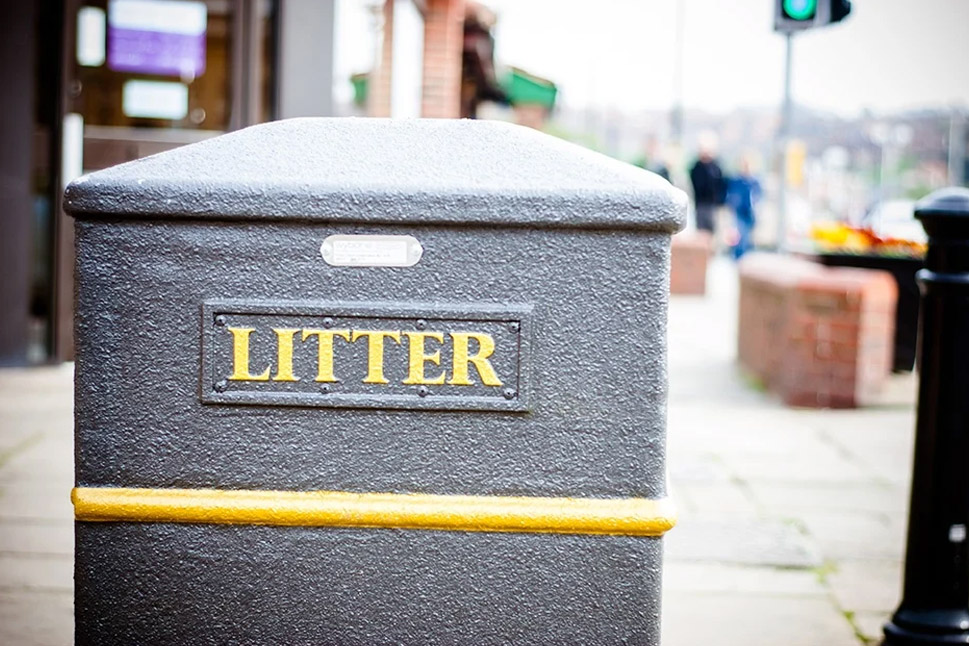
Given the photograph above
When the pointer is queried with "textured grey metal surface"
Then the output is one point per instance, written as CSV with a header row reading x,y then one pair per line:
x,y
243,220
339,587
378,170
598,369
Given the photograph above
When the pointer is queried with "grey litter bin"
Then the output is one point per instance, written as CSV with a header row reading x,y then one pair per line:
x,y
351,381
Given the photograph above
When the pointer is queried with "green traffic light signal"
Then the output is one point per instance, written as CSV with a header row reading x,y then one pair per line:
x,y
792,16
800,9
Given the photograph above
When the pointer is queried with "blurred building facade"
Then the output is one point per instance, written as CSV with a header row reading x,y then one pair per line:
x,y
94,83
435,59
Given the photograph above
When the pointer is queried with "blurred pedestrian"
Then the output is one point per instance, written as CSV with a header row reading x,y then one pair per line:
x,y
709,188
743,191
652,160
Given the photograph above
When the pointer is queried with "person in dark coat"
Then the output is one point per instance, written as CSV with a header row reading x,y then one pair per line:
x,y
709,188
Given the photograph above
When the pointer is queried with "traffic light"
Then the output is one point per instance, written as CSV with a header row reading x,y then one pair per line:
x,y
797,15
839,10
799,11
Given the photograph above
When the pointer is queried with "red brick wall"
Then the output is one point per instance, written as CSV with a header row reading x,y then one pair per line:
x,y
817,336
443,45
688,262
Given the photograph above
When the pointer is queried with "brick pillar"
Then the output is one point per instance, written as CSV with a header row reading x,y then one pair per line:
x,y
818,336
378,90
443,45
688,262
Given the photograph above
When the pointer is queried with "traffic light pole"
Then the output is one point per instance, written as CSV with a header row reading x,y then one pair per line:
x,y
785,135
676,116
792,16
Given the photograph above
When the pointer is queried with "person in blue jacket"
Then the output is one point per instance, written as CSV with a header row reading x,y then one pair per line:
x,y
743,191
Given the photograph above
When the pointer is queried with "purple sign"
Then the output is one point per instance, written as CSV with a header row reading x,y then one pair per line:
x,y
161,37
156,52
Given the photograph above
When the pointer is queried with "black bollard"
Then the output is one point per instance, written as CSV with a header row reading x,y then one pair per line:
x,y
935,599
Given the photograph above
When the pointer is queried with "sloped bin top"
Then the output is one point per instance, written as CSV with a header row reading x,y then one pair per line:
x,y
384,171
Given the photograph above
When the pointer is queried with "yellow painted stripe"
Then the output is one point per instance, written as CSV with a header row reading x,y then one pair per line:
x,y
618,516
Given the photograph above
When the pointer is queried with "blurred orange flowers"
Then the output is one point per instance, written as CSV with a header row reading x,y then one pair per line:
x,y
837,237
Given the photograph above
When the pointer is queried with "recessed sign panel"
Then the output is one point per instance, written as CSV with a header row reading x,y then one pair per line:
x,y
365,355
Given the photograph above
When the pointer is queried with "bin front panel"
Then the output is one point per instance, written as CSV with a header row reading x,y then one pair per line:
x,y
587,417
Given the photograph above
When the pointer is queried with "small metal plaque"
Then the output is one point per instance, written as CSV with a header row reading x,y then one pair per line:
x,y
371,251
365,355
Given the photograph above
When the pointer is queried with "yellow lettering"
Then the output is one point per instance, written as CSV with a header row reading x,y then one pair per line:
x,y
324,361
417,358
375,352
240,356
486,347
284,354
464,355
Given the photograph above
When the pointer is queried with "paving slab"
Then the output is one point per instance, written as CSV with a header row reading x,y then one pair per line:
x,y
700,577
727,497
35,501
869,625
856,535
39,537
28,572
700,467
738,539
693,618
815,464
37,618
866,586
786,498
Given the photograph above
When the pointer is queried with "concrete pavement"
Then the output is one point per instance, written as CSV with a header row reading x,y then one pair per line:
x,y
36,518
791,521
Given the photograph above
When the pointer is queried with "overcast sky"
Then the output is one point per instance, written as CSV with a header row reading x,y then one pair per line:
x,y
887,55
